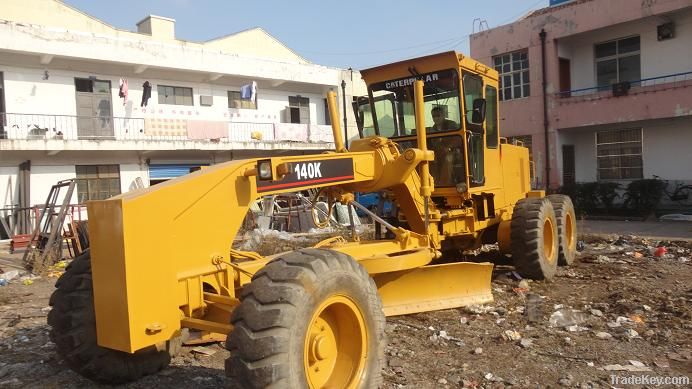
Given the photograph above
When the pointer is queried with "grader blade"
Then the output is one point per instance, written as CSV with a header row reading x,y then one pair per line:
x,y
435,287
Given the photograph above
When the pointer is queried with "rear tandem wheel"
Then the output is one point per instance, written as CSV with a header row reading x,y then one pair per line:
x,y
534,238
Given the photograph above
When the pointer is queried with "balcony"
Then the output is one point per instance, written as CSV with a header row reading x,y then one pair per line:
x,y
651,98
66,132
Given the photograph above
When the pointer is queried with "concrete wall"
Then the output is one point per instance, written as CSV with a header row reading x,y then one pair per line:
x,y
657,58
572,29
666,149
26,92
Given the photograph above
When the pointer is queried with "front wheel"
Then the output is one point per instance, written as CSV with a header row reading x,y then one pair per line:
x,y
311,318
73,330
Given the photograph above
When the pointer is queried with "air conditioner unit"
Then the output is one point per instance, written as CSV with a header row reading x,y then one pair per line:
x,y
665,31
206,101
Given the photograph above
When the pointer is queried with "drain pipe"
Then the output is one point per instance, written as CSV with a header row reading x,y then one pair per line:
x,y
545,112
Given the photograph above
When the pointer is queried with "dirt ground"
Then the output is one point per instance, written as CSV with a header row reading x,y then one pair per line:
x,y
633,313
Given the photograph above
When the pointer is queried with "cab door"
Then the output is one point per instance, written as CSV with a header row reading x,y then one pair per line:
x,y
473,90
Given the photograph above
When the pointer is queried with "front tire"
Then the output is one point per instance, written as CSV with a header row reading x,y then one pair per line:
x,y
311,318
534,238
73,330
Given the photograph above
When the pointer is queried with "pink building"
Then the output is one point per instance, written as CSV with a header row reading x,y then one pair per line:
x,y
608,84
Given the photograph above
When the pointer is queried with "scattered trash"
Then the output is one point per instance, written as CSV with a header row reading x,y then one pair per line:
x,y
603,335
603,259
533,308
646,307
27,282
630,368
596,312
631,334
442,381
618,322
660,251
636,319
566,318
580,245
464,320
524,284
479,309
8,276
526,343
637,254
204,351
511,335
575,328
478,351
60,264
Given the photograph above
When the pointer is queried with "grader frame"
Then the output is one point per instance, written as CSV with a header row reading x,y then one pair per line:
x,y
149,283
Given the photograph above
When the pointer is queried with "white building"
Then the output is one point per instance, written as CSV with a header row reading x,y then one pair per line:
x,y
62,117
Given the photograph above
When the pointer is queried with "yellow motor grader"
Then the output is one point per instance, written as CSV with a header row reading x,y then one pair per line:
x,y
161,261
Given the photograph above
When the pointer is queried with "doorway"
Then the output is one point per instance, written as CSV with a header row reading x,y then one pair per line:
x,y
94,109
565,78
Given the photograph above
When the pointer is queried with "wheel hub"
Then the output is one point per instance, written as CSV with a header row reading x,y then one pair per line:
x,y
336,345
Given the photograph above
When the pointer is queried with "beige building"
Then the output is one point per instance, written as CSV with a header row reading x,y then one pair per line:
x,y
63,114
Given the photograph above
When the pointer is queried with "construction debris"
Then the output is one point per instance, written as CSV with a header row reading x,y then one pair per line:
x,y
605,303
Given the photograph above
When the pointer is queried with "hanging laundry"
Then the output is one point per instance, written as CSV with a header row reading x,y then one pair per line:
x,y
249,91
146,93
123,90
246,92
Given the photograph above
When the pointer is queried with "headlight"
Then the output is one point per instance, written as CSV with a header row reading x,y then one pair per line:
x,y
264,169
461,187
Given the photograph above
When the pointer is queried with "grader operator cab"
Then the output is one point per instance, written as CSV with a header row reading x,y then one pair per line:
x,y
161,260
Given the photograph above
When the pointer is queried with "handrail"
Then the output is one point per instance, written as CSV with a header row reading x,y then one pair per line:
x,y
61,127
641,82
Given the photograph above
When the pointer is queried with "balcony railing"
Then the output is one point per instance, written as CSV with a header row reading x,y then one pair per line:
x,y
20,126
630,87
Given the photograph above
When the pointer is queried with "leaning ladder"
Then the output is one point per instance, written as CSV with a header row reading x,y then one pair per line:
x,y
45,247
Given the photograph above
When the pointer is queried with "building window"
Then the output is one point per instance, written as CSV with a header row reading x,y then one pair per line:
x,y
618,61
514,74
234,101
175,95
97,182
298,110
619,154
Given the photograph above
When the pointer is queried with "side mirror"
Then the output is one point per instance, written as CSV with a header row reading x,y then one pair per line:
x,y
478,113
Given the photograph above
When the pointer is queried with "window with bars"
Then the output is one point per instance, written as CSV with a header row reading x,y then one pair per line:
x,y
235,101
619,154
618,61
97,182
175,95
514,74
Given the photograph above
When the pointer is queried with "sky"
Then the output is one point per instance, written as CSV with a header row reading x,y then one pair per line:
x,y
360,35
